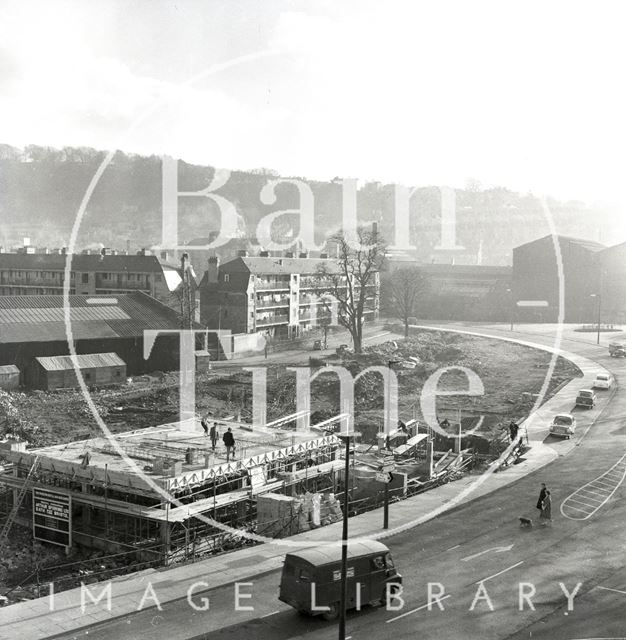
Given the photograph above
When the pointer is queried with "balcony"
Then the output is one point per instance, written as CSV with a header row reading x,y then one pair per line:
x,y
260,306
272,319
268,285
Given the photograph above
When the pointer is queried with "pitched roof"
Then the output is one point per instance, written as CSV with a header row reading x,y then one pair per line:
x,y
80,262
589,245
84,361
286,266
41,318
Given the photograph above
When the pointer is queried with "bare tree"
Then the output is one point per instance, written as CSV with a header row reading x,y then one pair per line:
x,y
402,291
352,280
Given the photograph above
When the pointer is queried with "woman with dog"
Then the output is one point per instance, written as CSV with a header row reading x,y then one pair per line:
x,y
546,509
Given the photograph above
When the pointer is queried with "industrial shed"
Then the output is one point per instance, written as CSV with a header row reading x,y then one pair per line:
x,y
57,372
34,327
9,377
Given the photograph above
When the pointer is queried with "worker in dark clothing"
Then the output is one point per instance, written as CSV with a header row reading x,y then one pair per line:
x,y
229,441
214,435
513,429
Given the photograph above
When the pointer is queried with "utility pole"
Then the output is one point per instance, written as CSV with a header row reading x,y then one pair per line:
x,y
346,437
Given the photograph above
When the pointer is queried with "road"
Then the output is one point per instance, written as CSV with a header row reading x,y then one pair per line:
x,y
477,554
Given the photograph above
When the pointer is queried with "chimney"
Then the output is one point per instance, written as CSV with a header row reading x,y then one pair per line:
x,y
213,269
264,254
127,247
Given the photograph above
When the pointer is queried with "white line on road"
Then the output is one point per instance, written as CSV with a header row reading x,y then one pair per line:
x,y
456,546
407,613
618,468
496,549
267,615
500,572
616,590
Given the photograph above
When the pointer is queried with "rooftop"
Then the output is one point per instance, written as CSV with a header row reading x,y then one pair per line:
x,y
171,442
84,361
83,262
41,318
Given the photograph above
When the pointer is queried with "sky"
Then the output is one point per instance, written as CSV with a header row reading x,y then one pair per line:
x,y
528,95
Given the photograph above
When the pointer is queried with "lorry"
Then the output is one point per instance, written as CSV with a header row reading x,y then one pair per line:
x,y
617,349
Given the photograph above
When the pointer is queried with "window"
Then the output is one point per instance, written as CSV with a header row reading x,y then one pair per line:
x,y
118,374
304,575
87,376
226,277
84,278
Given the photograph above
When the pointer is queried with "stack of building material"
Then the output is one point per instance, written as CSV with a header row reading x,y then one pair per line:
x,y
278,515
330,509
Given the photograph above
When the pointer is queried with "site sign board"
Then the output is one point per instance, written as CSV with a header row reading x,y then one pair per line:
x,y
52,517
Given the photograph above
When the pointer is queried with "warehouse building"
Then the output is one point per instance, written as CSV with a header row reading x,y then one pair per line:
x,y
34,327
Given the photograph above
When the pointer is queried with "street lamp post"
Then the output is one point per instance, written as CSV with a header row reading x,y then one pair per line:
x,y
599,298
346,437
510,292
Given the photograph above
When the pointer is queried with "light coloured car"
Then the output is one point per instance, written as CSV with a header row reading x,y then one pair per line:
x,y
603,381
586,398
563,425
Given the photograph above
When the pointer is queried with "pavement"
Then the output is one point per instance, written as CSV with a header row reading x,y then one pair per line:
x,y
71,611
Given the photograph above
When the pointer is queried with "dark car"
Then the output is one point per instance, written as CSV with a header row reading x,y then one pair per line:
x,y
586,398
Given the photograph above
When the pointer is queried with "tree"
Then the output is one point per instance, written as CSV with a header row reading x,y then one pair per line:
x,y
351,281
403,290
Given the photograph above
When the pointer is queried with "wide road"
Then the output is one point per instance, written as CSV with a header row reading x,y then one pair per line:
x,y
479,557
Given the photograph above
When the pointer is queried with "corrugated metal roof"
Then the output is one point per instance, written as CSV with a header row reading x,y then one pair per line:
x,y
41,318
85,361
9,369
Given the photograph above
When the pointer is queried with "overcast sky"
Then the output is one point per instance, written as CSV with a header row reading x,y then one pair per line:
x,y
528,95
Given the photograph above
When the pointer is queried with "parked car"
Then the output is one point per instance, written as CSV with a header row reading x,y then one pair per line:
x,y
617,350
342,349
603,381
317,345
311,578
586,398
564,425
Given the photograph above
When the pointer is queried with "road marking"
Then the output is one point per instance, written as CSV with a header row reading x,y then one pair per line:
x,y
499,573
455,547
408,613
267,615
612,478
616,590
496,549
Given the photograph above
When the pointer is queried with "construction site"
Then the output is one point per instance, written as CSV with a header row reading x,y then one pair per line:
x,y
158,494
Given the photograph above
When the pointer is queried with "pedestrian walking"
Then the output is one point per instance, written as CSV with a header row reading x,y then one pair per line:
x,y
229,441
214,435
513,429
542,495
204,425
546,509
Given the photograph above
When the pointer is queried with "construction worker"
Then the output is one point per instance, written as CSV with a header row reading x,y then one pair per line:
x,y
214,435
205,426
229,441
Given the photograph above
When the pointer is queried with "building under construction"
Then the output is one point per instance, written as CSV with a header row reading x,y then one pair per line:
x,y
162,489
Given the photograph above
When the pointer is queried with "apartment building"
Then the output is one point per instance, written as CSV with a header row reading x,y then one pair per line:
x,y
105,272
273,295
